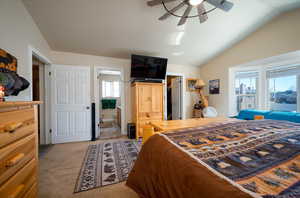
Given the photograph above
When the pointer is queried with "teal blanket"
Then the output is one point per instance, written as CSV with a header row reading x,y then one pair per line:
x,y
109,103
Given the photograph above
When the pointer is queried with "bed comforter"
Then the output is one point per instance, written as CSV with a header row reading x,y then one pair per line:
x,y
234,159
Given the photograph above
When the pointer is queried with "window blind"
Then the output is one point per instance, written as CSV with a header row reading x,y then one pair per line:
x,y
275,72
246,74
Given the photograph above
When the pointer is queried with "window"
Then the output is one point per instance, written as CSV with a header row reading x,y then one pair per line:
x,y
265,88
246,90
111,89
282,89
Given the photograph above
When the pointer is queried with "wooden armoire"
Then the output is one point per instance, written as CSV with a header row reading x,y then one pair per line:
x,y
147,104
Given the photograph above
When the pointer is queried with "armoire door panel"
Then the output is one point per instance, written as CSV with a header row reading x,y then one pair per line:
x,y
145,98
157,98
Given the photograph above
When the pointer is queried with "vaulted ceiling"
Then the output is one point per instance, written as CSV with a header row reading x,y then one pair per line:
x,y
118,28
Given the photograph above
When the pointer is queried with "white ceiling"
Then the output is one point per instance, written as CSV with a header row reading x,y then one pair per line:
x,y
118,28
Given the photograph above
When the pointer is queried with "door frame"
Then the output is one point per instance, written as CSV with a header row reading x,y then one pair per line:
x,y
45,138
96,98
182,110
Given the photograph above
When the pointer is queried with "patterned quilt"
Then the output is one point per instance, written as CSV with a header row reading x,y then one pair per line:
x,y
261,156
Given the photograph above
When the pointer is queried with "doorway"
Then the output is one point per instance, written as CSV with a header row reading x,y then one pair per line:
x,y
38,94
173,99
110,103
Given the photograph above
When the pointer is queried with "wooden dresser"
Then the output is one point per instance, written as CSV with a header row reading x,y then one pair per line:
x,y
147,104
18,149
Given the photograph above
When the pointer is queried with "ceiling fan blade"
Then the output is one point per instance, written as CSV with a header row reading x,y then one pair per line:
x,y
157,2
201,12
165,16
222,4
185,15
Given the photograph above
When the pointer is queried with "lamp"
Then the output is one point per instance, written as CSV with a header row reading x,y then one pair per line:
x,y
199,86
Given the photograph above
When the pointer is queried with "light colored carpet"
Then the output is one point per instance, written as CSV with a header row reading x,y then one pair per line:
x,y
58,173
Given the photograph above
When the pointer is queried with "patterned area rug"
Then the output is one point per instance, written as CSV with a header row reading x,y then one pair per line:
x,y
107,163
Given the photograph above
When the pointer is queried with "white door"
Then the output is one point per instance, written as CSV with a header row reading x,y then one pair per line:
x,y
71,112
176,98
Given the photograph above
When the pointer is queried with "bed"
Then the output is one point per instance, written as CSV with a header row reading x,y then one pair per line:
x,y
227,158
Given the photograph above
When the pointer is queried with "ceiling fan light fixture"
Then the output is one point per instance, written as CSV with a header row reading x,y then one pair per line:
x,y
189,5
195,2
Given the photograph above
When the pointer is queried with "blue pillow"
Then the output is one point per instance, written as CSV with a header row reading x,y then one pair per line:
x,y
278,115
248,114
297,118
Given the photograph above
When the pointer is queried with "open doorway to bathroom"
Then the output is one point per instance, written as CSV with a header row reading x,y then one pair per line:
x,y
110,106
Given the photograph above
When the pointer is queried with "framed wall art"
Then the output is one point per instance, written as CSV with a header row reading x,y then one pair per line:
x,y
190,84
214,86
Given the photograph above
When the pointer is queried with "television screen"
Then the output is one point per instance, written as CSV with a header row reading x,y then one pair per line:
x,y
145,67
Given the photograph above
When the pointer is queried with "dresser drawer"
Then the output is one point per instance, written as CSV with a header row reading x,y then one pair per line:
x,y
15,125
9,137
32,192
15,156
20,183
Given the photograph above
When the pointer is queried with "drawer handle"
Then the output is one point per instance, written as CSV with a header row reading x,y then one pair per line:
x,y
12,127
17,192
147,115
15,160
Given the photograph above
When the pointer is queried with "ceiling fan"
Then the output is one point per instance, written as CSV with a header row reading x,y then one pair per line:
x,y
199,4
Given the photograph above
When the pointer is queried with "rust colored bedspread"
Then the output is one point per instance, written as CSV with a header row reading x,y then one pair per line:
x,y
164,171
234,159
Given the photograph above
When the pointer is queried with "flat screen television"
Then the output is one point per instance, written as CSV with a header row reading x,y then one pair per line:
x,y
146,67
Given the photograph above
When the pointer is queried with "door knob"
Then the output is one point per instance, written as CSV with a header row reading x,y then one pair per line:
x,y
87,107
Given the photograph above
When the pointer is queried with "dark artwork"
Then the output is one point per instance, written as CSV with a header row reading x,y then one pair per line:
x,y
9,79
214,86
7,61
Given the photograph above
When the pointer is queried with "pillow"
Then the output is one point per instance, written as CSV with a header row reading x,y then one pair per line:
x,y
278,115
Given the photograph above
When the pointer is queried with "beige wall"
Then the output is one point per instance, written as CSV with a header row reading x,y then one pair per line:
x,y
17,32
280,36
92,61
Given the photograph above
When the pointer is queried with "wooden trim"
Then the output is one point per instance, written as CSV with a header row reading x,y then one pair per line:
x,y
171,125
146,83
17,104
36,126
